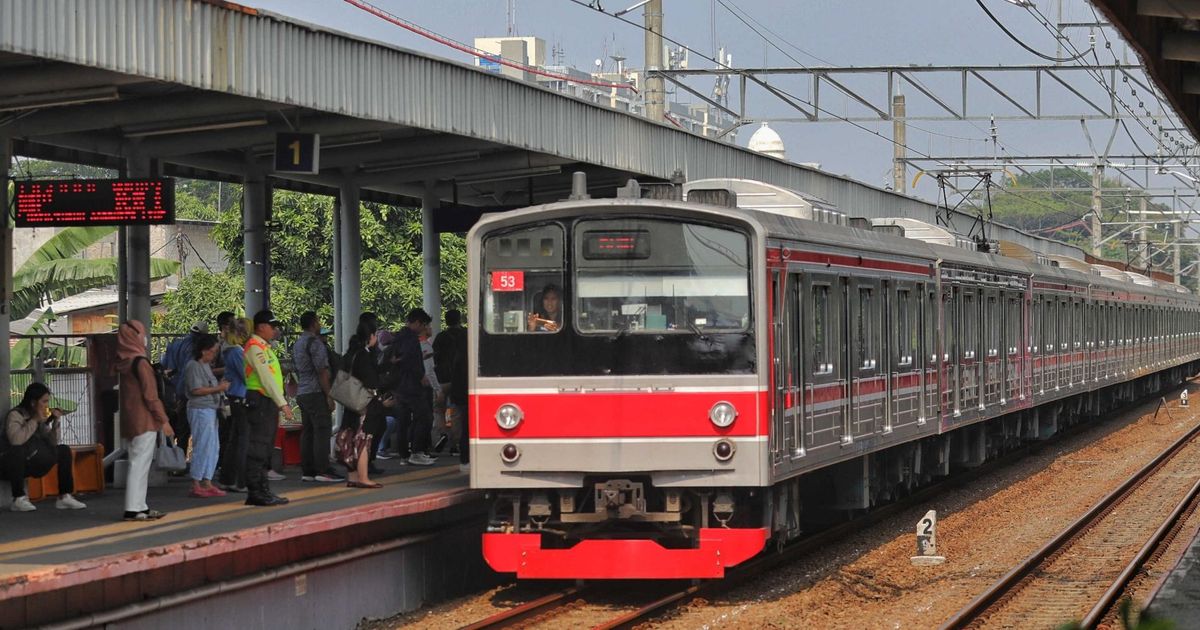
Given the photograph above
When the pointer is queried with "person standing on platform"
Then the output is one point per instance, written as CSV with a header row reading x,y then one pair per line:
x,y
311,357
457,403
264,396
175,359
445,351
142,417
204,398
413,406
237,439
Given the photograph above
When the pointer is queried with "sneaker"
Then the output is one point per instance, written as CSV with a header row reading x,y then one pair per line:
x,y
420,459
274,476
22,504
328,478
383,455
308,478
214,491
68,502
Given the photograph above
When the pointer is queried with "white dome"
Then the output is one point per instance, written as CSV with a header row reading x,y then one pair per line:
x,y
766,141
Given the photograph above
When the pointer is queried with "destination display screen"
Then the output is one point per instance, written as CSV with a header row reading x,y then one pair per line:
x,y
633,244
47,203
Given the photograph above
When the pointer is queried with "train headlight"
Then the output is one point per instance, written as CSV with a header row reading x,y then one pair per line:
x,y
508,416
722,414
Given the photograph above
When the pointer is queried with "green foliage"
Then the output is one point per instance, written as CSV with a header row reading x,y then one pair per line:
x,y
53,272
200,297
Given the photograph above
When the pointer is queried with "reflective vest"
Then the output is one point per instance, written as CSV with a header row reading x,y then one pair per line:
x,y
252,381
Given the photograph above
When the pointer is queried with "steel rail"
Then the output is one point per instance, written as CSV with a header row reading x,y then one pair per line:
x,y
528,610
1162,537
1011,581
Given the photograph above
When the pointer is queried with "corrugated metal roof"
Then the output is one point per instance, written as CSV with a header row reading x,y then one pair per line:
x,y
270,57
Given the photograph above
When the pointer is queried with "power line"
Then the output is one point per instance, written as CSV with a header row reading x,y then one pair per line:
x,y
1016,39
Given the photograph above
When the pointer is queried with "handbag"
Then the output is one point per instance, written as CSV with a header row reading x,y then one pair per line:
x,y
40,455
168,456
351,392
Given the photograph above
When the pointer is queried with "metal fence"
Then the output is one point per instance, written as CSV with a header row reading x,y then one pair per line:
x,y
72,390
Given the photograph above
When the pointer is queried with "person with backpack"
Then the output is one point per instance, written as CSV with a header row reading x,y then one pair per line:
x,y
237,440
174,359
142,416
314,371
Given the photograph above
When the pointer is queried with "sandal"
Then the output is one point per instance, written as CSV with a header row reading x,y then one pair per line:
x,y
359,484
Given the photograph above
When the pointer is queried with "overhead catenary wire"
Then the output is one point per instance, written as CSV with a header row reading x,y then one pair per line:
x,y
1016,39
461,47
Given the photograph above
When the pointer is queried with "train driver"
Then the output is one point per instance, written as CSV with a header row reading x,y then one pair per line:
x,y
549,318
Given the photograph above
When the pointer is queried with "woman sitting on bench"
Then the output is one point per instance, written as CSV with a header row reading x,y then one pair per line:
x,y
29,448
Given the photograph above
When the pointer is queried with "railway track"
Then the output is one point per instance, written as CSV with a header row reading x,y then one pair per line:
x,y
1083,571
553,606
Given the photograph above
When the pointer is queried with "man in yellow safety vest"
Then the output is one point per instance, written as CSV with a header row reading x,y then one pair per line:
x,y
264,398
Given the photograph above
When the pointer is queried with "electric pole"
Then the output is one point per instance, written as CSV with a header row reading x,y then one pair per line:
x,y
899,135
1097,181
656,96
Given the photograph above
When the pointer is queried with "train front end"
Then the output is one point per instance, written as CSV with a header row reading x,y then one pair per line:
x,y
617,408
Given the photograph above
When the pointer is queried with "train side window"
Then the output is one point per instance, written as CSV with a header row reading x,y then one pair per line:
x,y
905,331
864,328
970,325
821,334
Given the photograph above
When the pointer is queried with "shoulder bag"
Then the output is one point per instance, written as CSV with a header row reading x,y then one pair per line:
x,y
168,456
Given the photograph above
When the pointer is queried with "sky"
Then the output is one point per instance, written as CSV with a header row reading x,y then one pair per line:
x,y
813,33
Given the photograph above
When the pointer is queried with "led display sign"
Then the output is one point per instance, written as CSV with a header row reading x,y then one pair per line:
x,y
47,203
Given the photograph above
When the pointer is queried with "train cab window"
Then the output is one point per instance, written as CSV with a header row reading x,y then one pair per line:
x,y
523,281
647,276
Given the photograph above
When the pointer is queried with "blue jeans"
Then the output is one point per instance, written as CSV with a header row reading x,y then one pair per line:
x,y
387,433
205,443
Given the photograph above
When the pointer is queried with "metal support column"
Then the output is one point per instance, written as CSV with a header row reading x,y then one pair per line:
x,y
338,324
137,252
256,261
899,135
122,276
1175,257
655,95
350,268
1097,207
431,253
6,273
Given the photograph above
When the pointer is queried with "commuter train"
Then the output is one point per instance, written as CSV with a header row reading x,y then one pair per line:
x,y
659,387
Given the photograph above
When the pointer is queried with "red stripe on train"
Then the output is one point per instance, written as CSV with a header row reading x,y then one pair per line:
x,y
775,253
619,414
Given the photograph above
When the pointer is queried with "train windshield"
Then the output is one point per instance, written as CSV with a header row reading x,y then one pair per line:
x,y
642,276
620,296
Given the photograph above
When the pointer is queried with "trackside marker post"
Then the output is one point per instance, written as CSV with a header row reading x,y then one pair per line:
x,y
927,541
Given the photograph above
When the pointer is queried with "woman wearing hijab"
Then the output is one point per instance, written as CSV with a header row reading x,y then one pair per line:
x,y
142,417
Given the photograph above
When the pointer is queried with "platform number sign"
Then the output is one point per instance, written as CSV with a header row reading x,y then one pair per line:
x,y
297,153
508,281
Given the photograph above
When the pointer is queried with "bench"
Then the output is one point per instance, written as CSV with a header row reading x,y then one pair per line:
x,y
87,464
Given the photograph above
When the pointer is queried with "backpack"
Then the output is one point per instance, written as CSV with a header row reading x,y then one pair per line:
x,y
335,359
166,393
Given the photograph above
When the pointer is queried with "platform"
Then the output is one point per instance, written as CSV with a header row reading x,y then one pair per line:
x,y
1177,596
60,564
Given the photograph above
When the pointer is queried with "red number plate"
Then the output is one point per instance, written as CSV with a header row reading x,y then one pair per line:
x,y
508,280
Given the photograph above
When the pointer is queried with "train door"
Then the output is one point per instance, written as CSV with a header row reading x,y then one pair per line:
x,y
951,393
930,350
867,389
992,363
1034,346
969,372
824,385
1010,347
793,368
904,356
786,400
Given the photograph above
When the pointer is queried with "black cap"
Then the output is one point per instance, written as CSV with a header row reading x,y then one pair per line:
x,y
263,317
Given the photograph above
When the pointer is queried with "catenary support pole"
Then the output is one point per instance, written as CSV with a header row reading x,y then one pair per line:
x,y
431,253
656,96
899,136
1097,207
350,268
336,251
